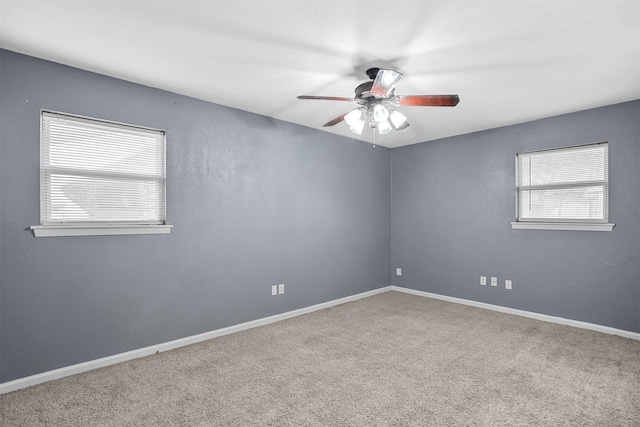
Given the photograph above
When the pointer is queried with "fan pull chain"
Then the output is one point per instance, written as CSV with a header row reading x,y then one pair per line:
x,y
374,137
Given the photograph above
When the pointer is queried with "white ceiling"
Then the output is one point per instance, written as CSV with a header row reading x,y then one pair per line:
x,y
509,61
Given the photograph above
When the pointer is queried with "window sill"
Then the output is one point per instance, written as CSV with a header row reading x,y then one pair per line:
x,y
97,230
562,226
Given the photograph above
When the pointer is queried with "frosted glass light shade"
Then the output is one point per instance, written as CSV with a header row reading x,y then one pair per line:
x,y
398,120
357,128
390,78
354,120
353,116
380,113
384,127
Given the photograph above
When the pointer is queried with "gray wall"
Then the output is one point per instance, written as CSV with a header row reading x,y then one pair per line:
x,y
453,201
256,202
253,201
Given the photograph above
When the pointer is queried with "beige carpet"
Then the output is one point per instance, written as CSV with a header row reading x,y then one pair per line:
x,y
389,360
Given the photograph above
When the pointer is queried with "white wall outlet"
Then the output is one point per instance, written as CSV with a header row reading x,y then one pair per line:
x,y
507,284
494,281
398,272
274,290
483,280
281,289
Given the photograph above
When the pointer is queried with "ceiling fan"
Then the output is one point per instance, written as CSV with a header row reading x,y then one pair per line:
x,y
378,103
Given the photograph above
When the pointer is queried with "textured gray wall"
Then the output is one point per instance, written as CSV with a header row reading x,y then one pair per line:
x,y
453,201
256,202
253,201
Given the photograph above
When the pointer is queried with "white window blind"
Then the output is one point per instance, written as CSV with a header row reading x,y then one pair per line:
x,y
564,185
96,172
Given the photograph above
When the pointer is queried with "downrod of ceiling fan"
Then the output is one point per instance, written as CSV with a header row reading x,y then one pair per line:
x,y
372,72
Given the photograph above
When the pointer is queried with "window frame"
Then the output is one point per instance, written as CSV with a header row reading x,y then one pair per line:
x,y
49,228
572,224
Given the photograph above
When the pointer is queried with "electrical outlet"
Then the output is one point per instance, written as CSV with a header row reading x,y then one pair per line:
x,y
494,281
398,272
281,289
274,290
483,280
507,284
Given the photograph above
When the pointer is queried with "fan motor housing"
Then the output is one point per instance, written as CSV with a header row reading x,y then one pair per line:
x,y
363,89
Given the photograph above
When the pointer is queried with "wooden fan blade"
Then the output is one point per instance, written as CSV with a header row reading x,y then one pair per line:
x,y
335,121
429,100
384,83
325,98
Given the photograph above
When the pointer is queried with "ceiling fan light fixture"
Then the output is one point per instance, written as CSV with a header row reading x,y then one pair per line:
x,y
384,127
384,82
378,102
380,113
398,120
357,128
390,78
353,116
355,121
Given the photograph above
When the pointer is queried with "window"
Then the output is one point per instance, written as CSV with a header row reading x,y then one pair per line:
x,y
566,188
98,178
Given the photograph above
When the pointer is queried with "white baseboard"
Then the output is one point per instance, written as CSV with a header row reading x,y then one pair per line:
x,y
523,313
66,371
147,351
